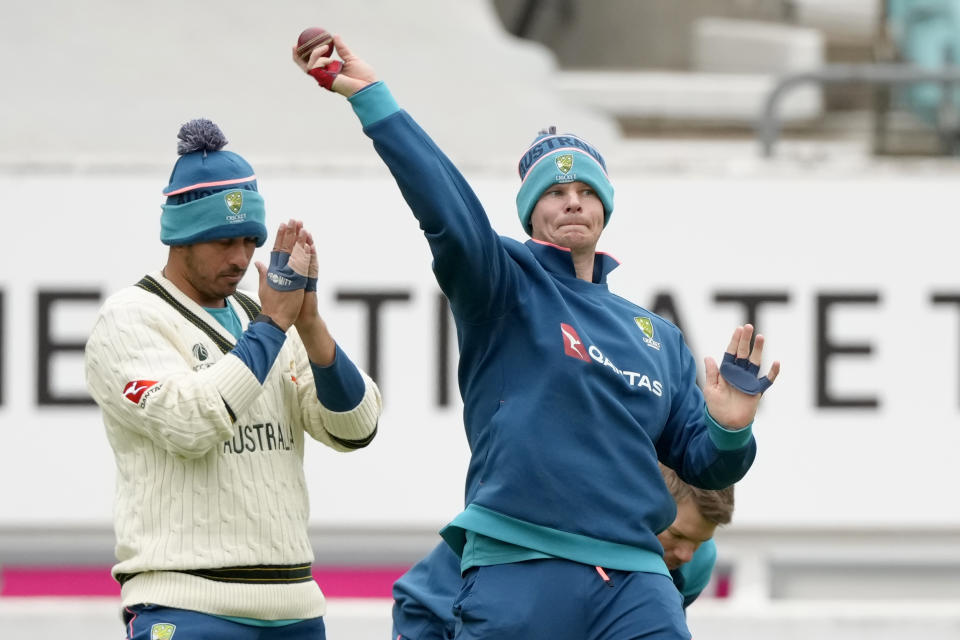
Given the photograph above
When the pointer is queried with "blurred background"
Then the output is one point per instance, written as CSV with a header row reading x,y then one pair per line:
x,y
792,163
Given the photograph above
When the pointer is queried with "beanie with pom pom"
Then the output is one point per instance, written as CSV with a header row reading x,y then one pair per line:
x,y
557,158
212,193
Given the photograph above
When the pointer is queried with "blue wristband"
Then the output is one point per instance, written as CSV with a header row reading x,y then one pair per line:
x,y
742,374
281,276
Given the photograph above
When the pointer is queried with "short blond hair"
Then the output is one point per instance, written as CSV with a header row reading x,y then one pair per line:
x,y
715,506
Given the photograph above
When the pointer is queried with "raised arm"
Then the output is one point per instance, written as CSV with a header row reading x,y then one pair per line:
x,y
470,263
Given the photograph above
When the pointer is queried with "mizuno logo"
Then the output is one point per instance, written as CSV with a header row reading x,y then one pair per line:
x,y
135,388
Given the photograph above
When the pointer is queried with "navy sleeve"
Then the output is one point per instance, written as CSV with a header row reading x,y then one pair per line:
x,y
258,348
703,453
471,265
340,387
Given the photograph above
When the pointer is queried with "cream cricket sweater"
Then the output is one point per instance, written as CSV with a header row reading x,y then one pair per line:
x,y
195,489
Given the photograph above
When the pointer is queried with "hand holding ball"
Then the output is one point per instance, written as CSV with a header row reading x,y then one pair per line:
x,y
312,38
309,40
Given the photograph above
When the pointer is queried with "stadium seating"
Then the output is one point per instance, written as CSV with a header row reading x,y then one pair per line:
x,y
926,33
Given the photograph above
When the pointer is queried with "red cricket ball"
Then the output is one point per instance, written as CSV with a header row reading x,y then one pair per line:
x,y
312,38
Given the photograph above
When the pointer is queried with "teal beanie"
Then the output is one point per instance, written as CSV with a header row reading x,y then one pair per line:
x,y
553,159
212,193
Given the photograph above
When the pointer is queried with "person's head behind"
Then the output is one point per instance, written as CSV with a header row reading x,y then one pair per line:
x,y
213,217
699,513
565,195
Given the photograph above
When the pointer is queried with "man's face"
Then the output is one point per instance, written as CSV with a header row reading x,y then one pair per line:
x,y
215,268
568,215
682,538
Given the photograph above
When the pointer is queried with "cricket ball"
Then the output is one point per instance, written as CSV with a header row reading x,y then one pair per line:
x,y
312,38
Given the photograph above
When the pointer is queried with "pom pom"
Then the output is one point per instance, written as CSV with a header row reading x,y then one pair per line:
x,y
200,135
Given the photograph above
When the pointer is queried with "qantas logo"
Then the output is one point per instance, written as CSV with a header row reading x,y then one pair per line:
x,y
134,389
573,346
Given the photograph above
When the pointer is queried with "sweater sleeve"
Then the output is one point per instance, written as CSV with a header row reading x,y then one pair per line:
x,y
136,374
703,453
471,265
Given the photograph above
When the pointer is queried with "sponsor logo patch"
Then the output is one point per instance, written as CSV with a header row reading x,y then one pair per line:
x,y
135,388
565,163
200,352
646,326
162,631
572,344
234,200
278,279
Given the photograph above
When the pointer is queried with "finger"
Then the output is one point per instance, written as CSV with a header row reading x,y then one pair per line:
x,y
712,371
278,239
342,48
286,241
297,58
319,58
262,270
743,348
323,50
289,237
756,356
774,371
314,270
300,255
734,341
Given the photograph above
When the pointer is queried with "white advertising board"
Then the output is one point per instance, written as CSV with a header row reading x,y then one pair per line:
x,y
852,279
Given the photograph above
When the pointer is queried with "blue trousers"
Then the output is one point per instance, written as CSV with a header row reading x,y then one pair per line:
x,y
555,599
153,622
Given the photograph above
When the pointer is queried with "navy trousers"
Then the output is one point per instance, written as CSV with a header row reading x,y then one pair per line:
x,y
153,622
555,599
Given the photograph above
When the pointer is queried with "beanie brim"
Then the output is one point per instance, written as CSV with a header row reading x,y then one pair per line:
x,y
566,164
237,213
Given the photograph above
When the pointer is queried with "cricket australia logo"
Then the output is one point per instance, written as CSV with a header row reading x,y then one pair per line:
x,y
234,200
162,631
646,326
565,164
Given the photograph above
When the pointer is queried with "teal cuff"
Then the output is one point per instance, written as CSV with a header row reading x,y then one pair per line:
x,y
373,103
553,542
727,439
235,213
